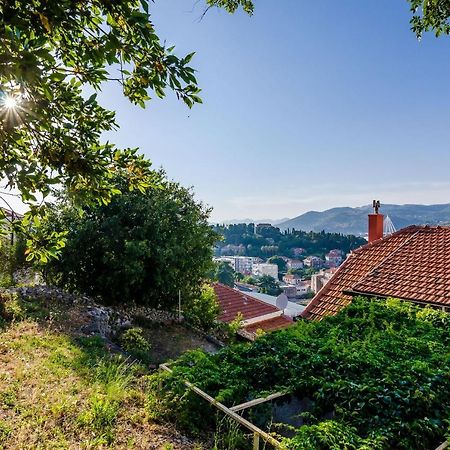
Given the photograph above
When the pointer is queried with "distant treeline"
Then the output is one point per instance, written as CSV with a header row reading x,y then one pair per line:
x,y
243,239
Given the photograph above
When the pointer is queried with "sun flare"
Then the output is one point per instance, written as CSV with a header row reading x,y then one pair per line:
x,y
10,102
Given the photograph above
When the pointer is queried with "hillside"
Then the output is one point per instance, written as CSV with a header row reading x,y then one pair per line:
x,y
62,386
354,220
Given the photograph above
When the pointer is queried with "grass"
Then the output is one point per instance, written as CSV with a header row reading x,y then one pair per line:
x,y
63,390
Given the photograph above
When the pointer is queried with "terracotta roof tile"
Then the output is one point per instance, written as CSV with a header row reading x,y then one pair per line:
x,y
276,323
233,302
411,264
418,271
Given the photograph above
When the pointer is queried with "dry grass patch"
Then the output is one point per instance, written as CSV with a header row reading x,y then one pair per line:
x,y
60,391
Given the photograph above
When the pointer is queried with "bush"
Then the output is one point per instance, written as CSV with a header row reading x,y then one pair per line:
x,y
12,257
141,247
380,369
134,342
203,311
5,431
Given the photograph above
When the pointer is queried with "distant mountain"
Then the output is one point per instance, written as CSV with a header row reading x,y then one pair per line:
x,y
247,221
354,220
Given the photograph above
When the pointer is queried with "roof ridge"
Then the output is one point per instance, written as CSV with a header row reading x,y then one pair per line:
x,y
387,238
383,240
326,287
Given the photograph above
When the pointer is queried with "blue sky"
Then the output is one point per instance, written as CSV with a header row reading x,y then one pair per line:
x,y
307,105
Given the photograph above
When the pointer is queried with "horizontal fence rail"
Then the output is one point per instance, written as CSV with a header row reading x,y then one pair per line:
x,y
257,432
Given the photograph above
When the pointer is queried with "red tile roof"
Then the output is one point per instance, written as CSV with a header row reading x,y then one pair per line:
x,y
412,264
233,302
277,323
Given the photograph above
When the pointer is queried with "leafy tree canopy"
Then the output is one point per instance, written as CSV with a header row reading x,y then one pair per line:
x,y
430,15
279,261
224,273
141,247
52,54
242,239
268,285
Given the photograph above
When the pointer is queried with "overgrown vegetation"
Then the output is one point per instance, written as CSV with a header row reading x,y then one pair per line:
x,y
53,56
62,389
202,312
377,375
141,247
12,258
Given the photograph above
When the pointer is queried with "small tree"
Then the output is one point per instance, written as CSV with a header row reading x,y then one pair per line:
x,y
202,312
279,261
224,273
142,247
269,285
56,53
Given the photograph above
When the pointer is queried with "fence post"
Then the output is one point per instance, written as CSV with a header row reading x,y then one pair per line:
x,y
255,441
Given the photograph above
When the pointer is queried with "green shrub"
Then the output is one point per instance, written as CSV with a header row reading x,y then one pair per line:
x,y
12,257
5,432
115,376
134,342
380,369
203,311
100,418
15,308
11,306
331,435
141,247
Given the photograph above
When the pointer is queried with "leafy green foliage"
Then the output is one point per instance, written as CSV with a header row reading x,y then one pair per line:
x,y
268,285
12,258
331,435
54,58
203,310
134,342
141,247
279,261
224,273
5,431
430,15
379,368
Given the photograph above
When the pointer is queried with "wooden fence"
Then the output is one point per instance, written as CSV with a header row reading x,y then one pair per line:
x,y
258,434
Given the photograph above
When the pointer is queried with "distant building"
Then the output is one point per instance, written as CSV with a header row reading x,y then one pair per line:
x,y
319,280
303,288
297,251
296,288
294,264
241,264
290,291
263,226
334,258
291,279
313,261
265,269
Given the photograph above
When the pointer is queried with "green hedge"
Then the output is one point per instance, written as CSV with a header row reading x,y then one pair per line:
x,y
381,368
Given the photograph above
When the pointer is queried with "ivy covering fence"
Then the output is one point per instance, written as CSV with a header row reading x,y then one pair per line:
x,y
377,376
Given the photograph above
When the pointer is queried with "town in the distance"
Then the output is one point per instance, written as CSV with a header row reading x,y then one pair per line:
x,y
268,259
262,259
